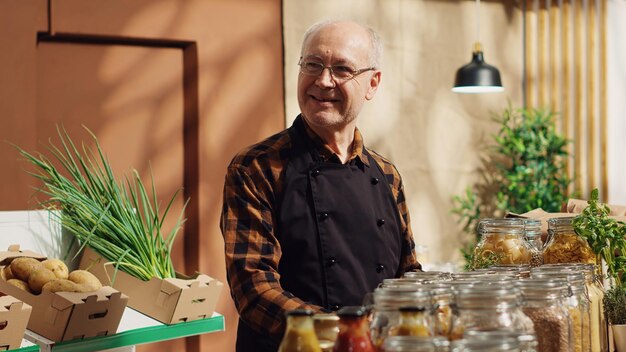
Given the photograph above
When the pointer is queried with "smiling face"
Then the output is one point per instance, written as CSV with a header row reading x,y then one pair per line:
x,y
325,102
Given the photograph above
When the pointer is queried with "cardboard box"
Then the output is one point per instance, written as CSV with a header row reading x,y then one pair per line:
x,y
63,316
169,301
14,316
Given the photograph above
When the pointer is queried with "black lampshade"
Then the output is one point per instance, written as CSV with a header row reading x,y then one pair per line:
x,y
477,77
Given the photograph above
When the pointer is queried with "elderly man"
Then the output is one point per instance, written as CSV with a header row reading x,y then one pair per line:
x,y
312,218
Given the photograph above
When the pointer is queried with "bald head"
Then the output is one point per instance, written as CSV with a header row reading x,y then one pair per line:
x,y
376,48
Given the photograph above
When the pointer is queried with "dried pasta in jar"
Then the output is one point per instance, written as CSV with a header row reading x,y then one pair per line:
x,y
502,243
564,245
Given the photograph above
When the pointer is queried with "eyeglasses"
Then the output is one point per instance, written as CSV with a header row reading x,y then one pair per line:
x,y
338,72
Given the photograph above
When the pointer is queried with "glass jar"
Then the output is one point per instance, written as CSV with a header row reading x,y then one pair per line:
x,y
543,303
443,309
502,243
354,335
532,233
387,304
577,303
299,334
527,342
491,307
326,327
415,344
564,245
413,322
504,344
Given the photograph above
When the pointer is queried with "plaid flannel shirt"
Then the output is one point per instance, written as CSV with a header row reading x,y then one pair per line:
x,y
254,181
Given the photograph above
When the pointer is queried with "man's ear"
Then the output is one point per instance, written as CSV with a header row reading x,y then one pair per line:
x,y
373,85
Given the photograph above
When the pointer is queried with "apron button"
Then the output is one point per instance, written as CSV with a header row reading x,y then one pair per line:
x,y
315,173
374,181
380,268
380,222
323,216
331,261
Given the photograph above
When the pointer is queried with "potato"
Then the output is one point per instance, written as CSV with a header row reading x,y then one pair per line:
x,y
37,279
57,266
61,285
22,267
7,273
19,284
86,281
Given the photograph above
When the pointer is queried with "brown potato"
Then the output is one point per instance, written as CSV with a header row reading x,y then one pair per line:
x,y
37,279
57,266
7,273
61,285
86,281
19,284
22,267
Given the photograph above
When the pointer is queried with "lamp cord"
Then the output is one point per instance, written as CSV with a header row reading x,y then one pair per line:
x,y
477,21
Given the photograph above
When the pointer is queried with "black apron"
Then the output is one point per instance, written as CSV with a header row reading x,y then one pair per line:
x,y
339,229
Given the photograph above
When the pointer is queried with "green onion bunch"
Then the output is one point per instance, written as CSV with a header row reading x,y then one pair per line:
x,y
118,220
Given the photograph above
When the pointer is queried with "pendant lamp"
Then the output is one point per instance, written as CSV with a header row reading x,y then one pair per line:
x,y
477,76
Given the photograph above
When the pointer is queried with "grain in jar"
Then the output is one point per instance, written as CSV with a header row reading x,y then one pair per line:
x,y
543,303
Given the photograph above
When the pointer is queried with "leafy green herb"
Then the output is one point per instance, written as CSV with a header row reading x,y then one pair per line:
x,y
604,235
614,303
480,262
120,221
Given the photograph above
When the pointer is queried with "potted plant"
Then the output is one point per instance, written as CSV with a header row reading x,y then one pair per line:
x,y
523,170
607,238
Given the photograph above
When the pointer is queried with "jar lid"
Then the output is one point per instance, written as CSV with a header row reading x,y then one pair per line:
x,y
410,344
501,226
472,344
299,313
532,227
352,312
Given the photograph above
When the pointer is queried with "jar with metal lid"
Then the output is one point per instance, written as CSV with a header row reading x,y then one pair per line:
x,y
387,302
415,344
502,243
532,233
299,334
353,331
543,303
487,307
577,303
564,245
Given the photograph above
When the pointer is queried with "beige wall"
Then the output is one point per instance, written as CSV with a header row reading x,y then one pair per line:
x,y
132,97
430,133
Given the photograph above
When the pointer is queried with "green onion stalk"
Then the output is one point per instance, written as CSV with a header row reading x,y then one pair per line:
x,y
118,220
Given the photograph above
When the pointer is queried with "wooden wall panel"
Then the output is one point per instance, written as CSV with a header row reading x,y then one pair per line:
x,y
570,79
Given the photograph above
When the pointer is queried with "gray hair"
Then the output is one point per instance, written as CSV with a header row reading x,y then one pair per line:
x,y
376,53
